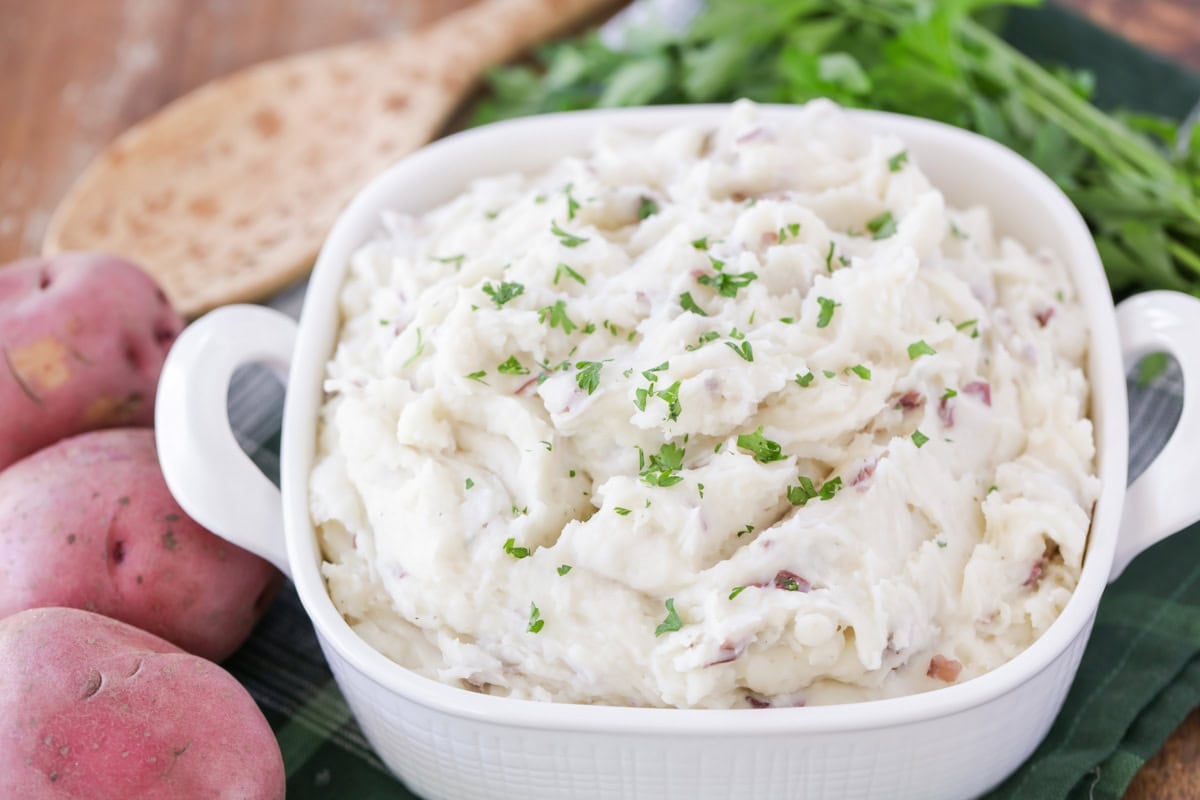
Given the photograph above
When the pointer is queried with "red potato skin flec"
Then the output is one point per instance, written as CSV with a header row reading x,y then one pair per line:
x,y
89,523
83,337
95,709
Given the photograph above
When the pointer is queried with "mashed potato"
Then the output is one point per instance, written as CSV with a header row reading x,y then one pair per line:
x,y
708,418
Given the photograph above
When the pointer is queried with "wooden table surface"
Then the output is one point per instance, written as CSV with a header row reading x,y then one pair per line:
x,y
74,74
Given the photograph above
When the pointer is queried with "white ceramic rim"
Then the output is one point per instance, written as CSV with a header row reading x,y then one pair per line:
x,y
1108,412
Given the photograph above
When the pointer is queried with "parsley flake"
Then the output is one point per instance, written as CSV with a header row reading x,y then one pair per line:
x,y
562,269
672,623
688,304
701,243
897,162
830,488
647,208
563,569
765,451
479,376
470,483
745,350
920,348
860,371
536,623
700,490
828,373
515,552
736,591
505,292
455,260
588,376
829,258
557,314
704,339
564,238
800,495
949,393
745,530
511,366
882,226
805,380
572,205
624,512
663,465
919,438
826,315
416,353
726,284
670,396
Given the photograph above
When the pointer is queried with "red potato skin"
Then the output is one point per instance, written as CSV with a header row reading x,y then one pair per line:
x,y
97,709
82,341
89,523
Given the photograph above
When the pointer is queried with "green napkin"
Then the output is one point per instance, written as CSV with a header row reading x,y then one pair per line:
x,y
1139,677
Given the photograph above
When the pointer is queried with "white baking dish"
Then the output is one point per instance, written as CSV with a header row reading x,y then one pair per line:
x,y
445,742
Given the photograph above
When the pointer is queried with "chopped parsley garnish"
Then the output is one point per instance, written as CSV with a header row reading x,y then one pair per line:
x,y
734,333
647,208
920,348
897,162
470,483
515,552
957,232
613,329
701,243
641,395
416,353
624,512
860,371
765,451
949,393
826,315
744,350
788,584
672,623
536,623
787,320
516,512
830,488
670,396
383,322
736,591
549,447
571,473
562,269
704,339
919,438
589,328
557,314
563,569
973,324
882,226
572,205
745,530
806,379
564,238
688,304
588,376
505,292
479,376
700,490
829,258
828,373
792,229
511,366
663,465
649,375
941,543
724,283
455,260
800,495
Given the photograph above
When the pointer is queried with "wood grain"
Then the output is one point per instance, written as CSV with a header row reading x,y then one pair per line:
x,y
74,74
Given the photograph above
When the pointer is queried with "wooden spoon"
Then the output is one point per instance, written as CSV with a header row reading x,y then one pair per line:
x,y
226,194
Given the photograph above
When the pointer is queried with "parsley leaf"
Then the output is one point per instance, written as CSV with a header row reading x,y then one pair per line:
x,y
920,348
897,162
949,393
745,530
670,396
624,512
826,315
860,371
701,243
564,238
800,495
588,376
882,226
563,569
455,260
479,376
688,304
512,366
536,623
663,466
919,438
470,483
830,488
745,350
572,205
829,258
736,591
563,268
806,379
765,451
505,292
672,623
515,552
704,339
557,314
647,208
726,284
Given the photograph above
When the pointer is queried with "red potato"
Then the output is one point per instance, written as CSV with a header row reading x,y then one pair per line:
x,y
82,340
89,523
97,709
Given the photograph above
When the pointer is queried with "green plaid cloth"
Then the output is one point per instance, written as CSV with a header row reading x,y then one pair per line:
x,y
1140,675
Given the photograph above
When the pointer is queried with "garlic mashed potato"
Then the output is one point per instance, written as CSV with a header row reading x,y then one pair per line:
x,y
717,418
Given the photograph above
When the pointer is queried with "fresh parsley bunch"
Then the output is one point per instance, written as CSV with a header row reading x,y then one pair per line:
x,y
1135,178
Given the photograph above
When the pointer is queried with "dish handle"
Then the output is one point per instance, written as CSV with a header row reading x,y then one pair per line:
x,y
211,477
1164,498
